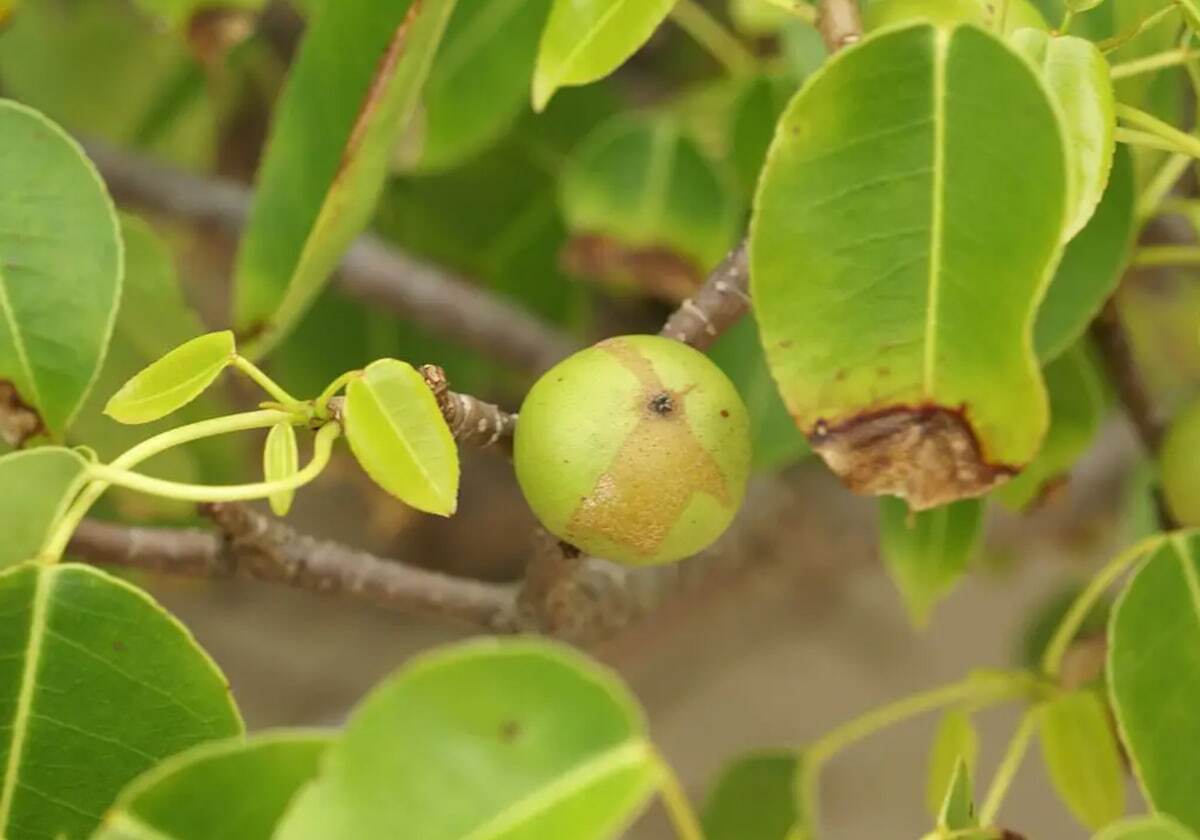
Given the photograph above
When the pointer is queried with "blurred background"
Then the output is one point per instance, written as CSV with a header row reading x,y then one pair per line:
x,y
800,628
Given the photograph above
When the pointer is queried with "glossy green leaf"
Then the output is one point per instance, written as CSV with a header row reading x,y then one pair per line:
x,y
479,82
896,302
400,438
235,789
752,125
39,484
1092,265
60,275
1076,74
1081,756
487,739
642,188
1179,465
1156,827
955,740
1077,405
958,806
1154,677
926,552
281,460
1020,13
352,90
585,40
173,381
98,684
755,796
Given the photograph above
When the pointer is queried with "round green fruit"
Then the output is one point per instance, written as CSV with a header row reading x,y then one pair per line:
x,y
636,450
1179,466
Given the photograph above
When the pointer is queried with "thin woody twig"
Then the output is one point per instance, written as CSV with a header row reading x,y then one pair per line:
x,y
472,421
1117,357
722,300
371,270
840,23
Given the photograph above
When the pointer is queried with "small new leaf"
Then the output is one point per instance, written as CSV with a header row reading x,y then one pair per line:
x,y
956,740
400,438
174,380
281,460
1081,755
958,806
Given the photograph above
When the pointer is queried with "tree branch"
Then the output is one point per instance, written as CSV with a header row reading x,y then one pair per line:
x,y
718,305
472,421
1117,358
372,270
839,23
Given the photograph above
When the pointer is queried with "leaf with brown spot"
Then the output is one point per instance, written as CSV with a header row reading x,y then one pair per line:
x,y
352,91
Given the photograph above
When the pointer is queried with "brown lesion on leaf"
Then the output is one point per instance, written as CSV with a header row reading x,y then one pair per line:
x,y
656,270
653,475
19,421
928,455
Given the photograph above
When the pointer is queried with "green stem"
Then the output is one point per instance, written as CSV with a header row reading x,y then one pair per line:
x,y
1068,628
1002,17
263,381
57,541
1183,141
1167,255
1118,41
332,388
1007,771
1146,140
679,809
1157,61
1068,18
322,450
1159,186
708,32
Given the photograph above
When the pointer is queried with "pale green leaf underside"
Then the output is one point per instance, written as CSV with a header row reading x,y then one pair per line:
x,y
38,484
97,685
400,438
899,247
170,383
585,40
281,460
1155,827
352,90
492,739
1081,756
1154,677
234,789
60,272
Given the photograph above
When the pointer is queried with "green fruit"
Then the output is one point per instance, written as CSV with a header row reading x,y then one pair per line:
x,y
636,450
1179,466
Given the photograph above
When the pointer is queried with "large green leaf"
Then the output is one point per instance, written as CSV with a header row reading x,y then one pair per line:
x,y
955,740
236,789
479,81
1092,264
174,380
400,438
755,797
899,248
927,552
97,684
1156,827
1081,755
38,485
585,40
60,275
352,90
1020,13
490,739
1154,677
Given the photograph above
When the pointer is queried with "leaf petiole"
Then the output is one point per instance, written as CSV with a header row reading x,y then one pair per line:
x,y
1007,770
710,34
679,809
1182,141
332,388
1157,61
260,378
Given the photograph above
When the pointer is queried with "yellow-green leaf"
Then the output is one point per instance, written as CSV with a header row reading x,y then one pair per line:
x,y
956,740
958,806
38,485
400,438
1081,755
281,460
174,380
1155,827
755,797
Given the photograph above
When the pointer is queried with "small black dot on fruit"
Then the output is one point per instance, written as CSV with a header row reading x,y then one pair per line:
x,y
509,731
662,403
724,412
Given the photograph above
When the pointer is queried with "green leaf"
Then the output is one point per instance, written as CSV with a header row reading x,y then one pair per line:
x,y
585,40
179,12
955,740
1081,755
1020,13
400,438
958,806
39,483
895,301
752,125
173,381
758,18
1154,677
235,789
1092,265
281,460
60,275
487,739
641,188
1043,619
99,684
755,797
927,552
1076,74
1077,405
1156,827
352,90
479,81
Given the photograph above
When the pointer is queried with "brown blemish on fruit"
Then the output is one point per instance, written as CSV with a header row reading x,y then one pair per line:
x,y
654,473
928,455
19,421
657,270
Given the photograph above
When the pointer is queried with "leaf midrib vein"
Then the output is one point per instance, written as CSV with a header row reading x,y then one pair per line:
x,y
941,40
